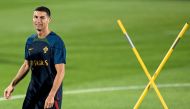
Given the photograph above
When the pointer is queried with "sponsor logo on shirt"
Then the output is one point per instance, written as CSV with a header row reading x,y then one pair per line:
x,y
39,62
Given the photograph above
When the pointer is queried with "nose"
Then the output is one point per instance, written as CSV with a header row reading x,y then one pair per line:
x,y
38,20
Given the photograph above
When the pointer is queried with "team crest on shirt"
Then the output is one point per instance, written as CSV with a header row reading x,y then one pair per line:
x,y
45,49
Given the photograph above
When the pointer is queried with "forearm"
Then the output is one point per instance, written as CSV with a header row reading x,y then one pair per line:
x,y
21,74
58,79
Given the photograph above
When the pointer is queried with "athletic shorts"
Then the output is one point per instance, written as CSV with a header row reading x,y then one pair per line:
x,y
39,104
36,99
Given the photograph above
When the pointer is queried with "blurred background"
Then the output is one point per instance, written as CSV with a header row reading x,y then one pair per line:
x,y
101,67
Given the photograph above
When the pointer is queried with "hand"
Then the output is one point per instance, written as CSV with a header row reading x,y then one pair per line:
x,y
8,91
49,102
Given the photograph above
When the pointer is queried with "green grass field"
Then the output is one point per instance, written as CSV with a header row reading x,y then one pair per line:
x,y
98,55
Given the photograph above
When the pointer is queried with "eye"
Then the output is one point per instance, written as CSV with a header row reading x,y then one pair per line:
x,y
42,17
36,17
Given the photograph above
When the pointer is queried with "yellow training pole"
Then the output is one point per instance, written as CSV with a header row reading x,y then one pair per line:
x,y
186,26
142,65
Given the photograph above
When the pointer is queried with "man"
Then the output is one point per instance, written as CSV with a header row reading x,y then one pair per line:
x,y
45,55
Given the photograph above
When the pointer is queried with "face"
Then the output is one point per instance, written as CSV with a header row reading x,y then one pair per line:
x,y
40,20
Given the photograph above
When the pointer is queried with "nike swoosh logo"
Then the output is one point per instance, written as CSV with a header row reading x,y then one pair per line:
x,y
30,48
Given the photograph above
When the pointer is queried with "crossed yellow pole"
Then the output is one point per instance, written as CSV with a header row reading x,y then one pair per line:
x,y
151,80
142,64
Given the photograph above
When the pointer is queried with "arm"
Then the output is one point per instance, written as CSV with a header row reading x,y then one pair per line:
x,y
20,75
56,84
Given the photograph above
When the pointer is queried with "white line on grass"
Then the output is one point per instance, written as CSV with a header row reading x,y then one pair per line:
x,y
91,90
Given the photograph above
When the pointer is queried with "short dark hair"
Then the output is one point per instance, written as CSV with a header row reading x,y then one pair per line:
x,y
44,9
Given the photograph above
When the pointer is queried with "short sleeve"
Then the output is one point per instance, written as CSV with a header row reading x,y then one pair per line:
x,y
59,52
26,52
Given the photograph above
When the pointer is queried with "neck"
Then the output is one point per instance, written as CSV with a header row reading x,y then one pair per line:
x,y
43,33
